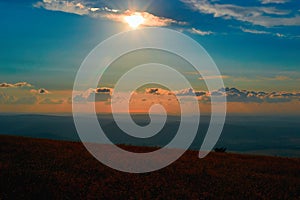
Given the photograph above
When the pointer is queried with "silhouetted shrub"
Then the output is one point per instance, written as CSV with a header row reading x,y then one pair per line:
x,y
221,149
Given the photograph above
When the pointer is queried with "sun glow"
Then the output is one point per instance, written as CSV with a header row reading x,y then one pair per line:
x,y
134,21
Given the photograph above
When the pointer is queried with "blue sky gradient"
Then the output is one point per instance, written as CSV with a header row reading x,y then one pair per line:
x,y
37,44
255,44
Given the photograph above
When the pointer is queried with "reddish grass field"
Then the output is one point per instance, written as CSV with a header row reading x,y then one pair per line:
x,y
45,169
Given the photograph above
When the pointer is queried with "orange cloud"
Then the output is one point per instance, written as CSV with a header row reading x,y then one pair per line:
x,y
149,19
81,8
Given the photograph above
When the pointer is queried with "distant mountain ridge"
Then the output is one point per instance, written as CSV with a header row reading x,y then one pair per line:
x,y
245,134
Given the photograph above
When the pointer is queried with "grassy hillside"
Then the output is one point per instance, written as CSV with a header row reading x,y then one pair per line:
x,y
38,168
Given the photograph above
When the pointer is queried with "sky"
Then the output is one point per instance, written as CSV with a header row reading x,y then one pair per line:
x,y
254,43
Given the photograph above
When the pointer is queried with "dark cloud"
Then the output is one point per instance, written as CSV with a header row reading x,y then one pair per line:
x,y
40,91
158,91
103,90
94,95
100,94
152,91
43,91
190,92
5,85
246,96
236,95
231,94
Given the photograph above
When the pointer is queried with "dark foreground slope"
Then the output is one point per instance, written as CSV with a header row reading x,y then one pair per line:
x,y
37,168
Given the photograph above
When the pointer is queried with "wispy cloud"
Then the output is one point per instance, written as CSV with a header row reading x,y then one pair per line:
x,y
254,31
15,85
265,78
51,101
150,19
260,15
274,1
74,7
277,78
214,77
82,8
6,99
30,99
9,99
23,93
200,32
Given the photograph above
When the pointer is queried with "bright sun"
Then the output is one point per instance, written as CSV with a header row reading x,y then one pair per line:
x,y
134,20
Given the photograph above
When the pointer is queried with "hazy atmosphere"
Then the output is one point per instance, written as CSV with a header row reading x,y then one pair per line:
x,y
150,99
